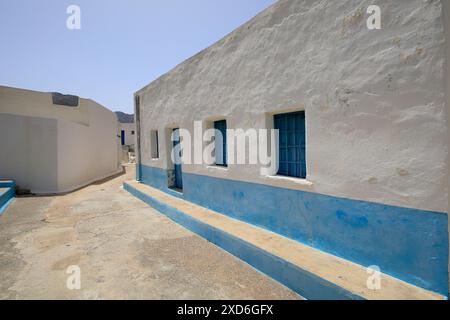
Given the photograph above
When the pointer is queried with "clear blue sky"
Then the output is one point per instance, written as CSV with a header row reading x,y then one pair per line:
x,y
122,45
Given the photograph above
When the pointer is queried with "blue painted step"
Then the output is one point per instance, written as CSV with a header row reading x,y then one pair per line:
x,y
7,193
312,273
7,183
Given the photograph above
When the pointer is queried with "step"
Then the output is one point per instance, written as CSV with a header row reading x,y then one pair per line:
x,y
6,196
311,273
7,183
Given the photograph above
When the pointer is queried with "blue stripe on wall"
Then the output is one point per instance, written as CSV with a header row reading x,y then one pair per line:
x,y
409,244
305,283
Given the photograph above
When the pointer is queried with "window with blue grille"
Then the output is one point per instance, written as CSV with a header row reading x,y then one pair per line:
x,y
292,144
220,150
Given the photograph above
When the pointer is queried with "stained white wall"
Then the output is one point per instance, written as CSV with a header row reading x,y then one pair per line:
x,y
53,149
375,100
446,19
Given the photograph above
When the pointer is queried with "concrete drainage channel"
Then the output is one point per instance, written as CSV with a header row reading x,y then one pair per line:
x,y
7,193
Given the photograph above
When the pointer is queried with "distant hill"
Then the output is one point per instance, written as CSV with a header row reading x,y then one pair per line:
x,y
124,117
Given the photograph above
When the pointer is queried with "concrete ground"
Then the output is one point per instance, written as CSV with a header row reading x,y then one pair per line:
x,y
124,248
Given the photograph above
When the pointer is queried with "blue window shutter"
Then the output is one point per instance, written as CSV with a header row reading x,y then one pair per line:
x,y
222,127
292,146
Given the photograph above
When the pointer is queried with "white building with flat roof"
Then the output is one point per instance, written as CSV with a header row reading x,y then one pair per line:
x,y
127,134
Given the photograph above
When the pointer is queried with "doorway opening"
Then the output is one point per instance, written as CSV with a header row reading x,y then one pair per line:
x,y
122,137
176,182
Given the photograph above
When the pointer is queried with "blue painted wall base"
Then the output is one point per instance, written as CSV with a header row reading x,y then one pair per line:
x,y
301,281
409,244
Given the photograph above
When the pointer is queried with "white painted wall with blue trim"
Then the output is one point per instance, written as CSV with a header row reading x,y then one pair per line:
x,y
374,99
446,17
376,118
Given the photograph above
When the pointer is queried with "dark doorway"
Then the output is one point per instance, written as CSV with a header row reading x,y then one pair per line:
x,y
122,137
177,160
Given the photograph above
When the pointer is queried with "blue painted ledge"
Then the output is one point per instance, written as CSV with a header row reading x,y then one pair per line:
x,y
408,244
7,184
7,194
301,281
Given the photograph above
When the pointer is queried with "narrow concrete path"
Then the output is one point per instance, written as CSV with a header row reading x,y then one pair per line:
x,y
124,248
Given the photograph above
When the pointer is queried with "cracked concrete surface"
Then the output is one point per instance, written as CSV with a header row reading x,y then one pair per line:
x,y
125,249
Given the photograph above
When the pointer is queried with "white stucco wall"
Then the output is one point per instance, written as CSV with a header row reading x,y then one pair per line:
x,y
39,104
129,137
446,20
52,149
374,100
88,153
28,151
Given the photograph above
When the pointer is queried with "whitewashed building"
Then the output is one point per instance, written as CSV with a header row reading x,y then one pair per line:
x,y
51,143
127,129
363,118
127,134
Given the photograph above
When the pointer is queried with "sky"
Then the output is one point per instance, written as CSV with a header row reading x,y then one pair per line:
x,y
122,45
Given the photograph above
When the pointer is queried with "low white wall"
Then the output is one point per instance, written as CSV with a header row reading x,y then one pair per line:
x,y
374,100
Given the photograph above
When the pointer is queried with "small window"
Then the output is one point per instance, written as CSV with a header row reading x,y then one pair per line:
x,y
220,149
154,144
132,132
292,144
